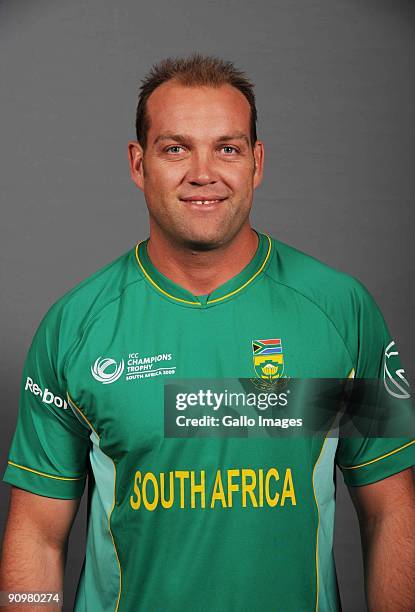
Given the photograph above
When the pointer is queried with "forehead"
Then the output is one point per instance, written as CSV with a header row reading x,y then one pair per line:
x,y
197,110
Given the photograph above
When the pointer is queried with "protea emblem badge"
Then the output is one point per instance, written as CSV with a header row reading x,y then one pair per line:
x,y
268,358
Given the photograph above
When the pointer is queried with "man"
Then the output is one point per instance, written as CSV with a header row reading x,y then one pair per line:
x,y
204,523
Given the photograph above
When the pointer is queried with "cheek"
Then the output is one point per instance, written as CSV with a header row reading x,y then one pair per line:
x,y
165,178
240,170
240,179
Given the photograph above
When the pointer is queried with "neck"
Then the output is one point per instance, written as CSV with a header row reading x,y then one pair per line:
x,y
200,272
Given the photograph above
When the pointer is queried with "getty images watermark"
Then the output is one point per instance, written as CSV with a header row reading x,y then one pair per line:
x,y
287,407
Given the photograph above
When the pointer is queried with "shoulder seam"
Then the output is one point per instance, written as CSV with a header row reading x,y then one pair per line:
x,y
319,308
93,317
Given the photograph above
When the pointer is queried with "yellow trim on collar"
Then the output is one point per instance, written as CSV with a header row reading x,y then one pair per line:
x,y
148,277
196,303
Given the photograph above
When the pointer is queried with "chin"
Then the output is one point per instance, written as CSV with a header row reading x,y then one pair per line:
x,y
211,236
202,243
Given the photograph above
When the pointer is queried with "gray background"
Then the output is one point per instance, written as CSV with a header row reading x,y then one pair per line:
x,y
335,87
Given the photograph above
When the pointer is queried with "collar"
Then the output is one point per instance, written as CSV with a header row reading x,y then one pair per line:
x,y
226,291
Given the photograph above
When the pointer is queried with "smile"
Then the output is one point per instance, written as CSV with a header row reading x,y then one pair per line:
x,y
204,201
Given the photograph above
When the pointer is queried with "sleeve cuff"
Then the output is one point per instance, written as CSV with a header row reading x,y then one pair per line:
x,y
48,485
380,467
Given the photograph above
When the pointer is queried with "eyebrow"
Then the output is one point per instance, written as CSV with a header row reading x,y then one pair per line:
x,y
183,138
235,136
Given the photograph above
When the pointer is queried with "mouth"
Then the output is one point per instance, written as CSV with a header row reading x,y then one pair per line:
x,y
206,203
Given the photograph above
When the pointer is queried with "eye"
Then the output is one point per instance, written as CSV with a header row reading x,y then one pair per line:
x,y
229,150
174,149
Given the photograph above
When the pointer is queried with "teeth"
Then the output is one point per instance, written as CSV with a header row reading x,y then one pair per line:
x,y
204,201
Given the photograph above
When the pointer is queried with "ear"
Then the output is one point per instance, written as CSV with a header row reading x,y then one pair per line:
x,y
259,162
135,157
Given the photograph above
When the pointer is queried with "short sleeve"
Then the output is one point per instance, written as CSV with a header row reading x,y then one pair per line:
x,y
364,460
49,451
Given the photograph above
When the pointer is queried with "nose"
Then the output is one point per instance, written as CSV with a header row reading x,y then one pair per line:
x,y
201,170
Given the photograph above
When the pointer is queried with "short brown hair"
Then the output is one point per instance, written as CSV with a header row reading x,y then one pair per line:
x,y
191,71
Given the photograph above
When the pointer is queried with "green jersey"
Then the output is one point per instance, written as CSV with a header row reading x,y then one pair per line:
x,y
202,524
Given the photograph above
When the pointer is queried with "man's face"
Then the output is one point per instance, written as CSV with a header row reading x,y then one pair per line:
x,y
199,168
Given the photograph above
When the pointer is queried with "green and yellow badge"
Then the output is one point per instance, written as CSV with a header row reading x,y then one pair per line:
x,y
268,358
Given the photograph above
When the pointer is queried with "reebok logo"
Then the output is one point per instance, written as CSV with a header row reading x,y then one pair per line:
x,y
46,396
